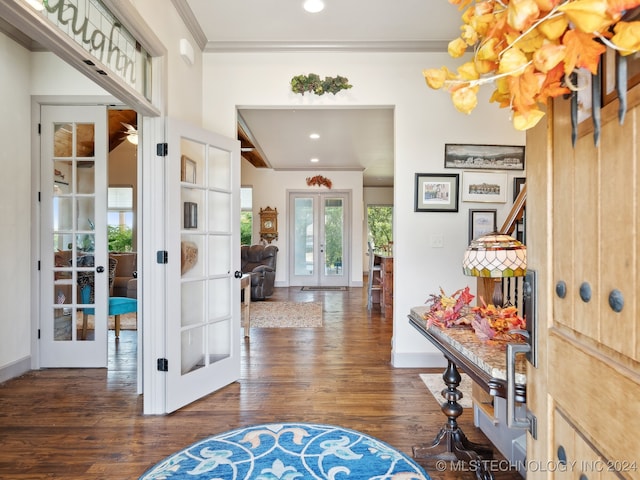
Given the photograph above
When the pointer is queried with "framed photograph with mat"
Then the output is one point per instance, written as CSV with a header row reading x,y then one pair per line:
x,y
518,182
481,222
484,157
484,187
436,192
187,170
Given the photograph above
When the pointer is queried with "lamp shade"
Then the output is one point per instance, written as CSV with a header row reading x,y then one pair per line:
x,y
495,256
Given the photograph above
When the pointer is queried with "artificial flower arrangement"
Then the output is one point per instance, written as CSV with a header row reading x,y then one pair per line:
x,y
487,321
530,48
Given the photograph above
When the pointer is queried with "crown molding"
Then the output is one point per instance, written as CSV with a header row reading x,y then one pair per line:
x,y
360,46
189,19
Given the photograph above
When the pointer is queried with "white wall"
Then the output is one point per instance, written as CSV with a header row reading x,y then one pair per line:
x,y
52,76
15,207
184,82
123,171
424,121
270,189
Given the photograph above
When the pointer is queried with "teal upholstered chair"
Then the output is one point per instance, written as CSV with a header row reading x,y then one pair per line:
x,y
117,305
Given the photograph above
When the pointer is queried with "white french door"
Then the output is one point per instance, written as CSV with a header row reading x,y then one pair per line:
x,y
73,244
203,260
318,242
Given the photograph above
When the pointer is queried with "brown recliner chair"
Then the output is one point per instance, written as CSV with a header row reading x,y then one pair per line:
x,y
260,262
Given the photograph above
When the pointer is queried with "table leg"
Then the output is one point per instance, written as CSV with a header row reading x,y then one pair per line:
x,y
246,314
451,442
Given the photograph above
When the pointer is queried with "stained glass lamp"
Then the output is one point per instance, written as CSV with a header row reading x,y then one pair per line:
x,y
495,256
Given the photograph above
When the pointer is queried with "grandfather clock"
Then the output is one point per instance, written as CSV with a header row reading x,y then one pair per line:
x,y
269,224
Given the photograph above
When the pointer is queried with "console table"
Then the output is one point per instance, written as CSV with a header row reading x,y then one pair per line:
x,y
485,363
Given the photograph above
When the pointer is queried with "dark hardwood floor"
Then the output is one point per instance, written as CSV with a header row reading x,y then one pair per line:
x,y
88,423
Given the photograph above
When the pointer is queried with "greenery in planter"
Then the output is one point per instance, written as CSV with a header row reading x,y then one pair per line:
x,y
312,83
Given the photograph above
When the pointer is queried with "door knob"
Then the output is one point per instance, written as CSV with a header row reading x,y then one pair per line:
x,y
100,269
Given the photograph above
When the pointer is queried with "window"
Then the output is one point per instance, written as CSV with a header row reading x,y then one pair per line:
x,y
380,224
246,215
120,218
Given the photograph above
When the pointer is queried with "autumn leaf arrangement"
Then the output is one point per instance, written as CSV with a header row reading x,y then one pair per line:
x,y
489,322
529,50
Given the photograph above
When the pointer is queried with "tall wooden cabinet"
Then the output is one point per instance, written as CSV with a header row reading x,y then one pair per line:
x,y
583,215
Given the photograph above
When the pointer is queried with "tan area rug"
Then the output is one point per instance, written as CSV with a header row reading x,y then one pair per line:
x,y
286,314
435,385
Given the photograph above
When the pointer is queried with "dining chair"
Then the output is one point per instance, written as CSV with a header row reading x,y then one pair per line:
x,y
117,305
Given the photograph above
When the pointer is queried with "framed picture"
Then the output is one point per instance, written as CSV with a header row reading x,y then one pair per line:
x,y
481,222
518,182
484,157
190,215
188,170
484,187
436,192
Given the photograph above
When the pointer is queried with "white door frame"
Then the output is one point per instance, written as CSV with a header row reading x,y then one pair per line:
x,y
36,103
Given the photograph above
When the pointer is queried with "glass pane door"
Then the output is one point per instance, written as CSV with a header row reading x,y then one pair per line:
x,y
203,326
75,275
333,239
319,253
304,239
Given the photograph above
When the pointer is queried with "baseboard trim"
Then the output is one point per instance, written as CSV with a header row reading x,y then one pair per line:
x,y
15,369
418,360
354,284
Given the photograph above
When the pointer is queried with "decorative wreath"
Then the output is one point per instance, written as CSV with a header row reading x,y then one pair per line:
x,y
319,180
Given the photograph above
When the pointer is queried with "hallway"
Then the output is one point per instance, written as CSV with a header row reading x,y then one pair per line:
x,y
87,424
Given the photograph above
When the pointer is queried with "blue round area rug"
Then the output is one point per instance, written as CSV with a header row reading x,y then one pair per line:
x,y
287,451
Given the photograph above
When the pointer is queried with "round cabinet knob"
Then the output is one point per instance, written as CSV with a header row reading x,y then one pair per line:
x,y
585,292
562,455
100,269
616,300
561,289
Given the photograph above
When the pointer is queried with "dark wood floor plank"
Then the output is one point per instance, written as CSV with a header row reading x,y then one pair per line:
x,y
88,423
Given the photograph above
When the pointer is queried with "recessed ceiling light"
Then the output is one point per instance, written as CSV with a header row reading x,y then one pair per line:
x,y
314,136
314,160
314,6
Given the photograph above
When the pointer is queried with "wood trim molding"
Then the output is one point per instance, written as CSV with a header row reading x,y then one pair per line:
x,y
127,13
516,212
190,20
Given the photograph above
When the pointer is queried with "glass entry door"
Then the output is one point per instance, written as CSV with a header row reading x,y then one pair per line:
x,y
319,254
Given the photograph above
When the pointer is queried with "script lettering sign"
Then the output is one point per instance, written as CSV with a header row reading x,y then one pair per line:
x,y
91,25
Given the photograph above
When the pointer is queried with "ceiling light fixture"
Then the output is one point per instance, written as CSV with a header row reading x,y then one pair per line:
x,y
313,6
314,136
314,160
131,133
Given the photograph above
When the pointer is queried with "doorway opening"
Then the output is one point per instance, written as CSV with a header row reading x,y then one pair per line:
x,y
122,229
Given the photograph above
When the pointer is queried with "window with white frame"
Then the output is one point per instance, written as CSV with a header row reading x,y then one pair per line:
x,y
120,218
